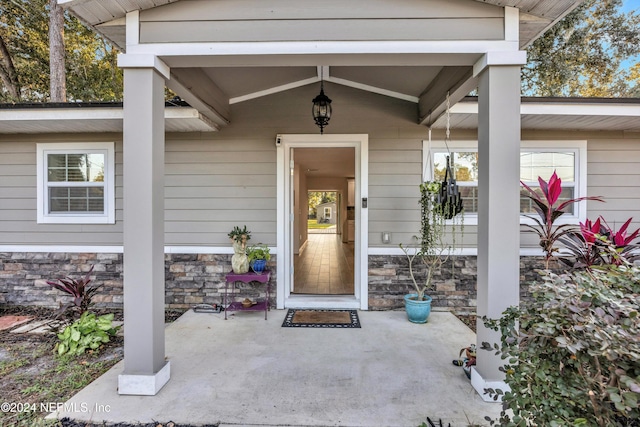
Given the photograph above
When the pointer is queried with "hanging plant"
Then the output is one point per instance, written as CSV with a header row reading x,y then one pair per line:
x,y
431,220
449,197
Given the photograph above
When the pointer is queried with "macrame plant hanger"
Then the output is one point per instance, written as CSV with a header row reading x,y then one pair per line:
x,y
449,197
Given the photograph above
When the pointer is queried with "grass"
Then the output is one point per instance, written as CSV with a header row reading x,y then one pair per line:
x,y
32,374
35,376
312,224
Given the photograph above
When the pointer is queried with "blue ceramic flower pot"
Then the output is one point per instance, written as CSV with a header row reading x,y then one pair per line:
x,y
258,265
417,311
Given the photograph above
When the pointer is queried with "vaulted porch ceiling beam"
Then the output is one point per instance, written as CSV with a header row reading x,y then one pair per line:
x,y
324,74
196,88
457,81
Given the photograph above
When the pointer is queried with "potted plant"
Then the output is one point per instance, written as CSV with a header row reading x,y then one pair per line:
x,y
239,260
258,256
427,255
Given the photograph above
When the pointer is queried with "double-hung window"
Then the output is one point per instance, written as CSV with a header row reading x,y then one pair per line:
x,y
76,183
537,158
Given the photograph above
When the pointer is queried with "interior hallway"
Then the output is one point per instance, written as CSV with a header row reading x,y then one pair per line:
x,y
325,266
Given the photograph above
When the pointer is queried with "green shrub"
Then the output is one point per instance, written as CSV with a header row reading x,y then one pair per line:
x,y
573,352
88,332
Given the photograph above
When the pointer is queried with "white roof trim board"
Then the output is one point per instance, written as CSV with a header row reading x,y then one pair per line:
x,y
62,119
547,114
573,114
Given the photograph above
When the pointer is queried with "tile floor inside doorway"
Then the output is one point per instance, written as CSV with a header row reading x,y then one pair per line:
x,y
325,266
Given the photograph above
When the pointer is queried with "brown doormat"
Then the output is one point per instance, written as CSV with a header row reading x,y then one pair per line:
x,y
321,319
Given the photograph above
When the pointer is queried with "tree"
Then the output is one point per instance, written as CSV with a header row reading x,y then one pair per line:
x,y
90,62
8,72
57,72
583,54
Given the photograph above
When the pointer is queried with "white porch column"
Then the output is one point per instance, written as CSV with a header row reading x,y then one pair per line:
x,y
498,208
145,368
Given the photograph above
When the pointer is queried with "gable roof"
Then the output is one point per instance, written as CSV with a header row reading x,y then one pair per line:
x,y
107,16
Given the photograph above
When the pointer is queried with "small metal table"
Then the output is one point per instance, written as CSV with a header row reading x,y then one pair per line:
x,y
232,278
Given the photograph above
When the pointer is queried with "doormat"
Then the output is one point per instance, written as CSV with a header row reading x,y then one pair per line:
x,y
321,319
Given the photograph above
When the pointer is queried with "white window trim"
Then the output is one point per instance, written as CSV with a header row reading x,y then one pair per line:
x,y
109,215
327,209
578,147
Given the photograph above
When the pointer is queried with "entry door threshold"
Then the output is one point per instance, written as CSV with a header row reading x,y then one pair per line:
x,y
333,302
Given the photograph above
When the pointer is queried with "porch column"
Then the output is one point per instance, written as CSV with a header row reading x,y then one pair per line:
x,y
145,368
498,207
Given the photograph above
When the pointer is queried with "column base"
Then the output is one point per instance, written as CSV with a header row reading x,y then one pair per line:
x,y
144,385
480,384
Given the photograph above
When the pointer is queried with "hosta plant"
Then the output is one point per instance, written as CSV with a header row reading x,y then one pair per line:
x,y
89,332
572,354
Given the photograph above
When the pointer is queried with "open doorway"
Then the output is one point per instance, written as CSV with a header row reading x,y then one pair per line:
x,y
323,216
297,157
324,261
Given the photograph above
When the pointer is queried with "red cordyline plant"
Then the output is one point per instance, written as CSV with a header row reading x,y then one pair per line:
x,y
549,210
598,243
79,289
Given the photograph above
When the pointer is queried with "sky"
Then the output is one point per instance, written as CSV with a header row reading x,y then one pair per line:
x,y
629,5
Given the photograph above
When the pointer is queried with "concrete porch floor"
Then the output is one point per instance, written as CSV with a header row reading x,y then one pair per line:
x,y
248,371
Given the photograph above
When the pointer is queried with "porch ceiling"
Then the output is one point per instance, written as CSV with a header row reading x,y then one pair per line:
x,y
212,83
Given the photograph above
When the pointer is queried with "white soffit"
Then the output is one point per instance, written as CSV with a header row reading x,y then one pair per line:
x,y
572,114
29,120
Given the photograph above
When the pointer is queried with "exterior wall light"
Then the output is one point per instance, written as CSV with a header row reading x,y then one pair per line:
x,y
321,109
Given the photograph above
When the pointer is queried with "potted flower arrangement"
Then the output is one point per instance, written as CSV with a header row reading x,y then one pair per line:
x,y
239,260
258,256
428,254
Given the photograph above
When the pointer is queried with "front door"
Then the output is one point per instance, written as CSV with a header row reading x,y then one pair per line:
x,y
299,158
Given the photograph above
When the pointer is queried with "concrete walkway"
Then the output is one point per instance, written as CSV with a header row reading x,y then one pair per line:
x,y
251,372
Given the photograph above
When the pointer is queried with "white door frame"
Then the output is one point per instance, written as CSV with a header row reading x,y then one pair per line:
x,y
284,143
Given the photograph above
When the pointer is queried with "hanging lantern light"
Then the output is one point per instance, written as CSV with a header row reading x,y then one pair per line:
x,y
321,109
449,198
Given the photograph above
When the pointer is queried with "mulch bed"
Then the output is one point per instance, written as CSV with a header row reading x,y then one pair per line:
x,y
50,313
469,320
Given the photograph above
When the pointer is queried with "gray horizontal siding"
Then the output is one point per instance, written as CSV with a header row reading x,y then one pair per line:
x,y
614,173
316,29
230,10
255,21
213,185
219,180
18,199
